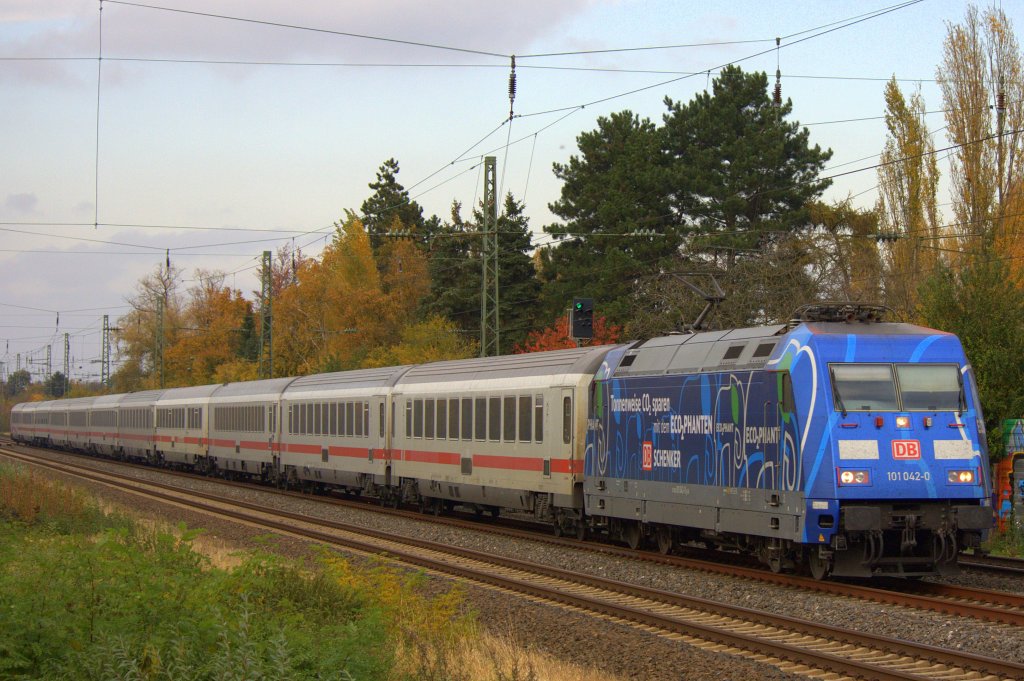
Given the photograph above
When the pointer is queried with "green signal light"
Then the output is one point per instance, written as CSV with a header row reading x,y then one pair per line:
x,y
579,306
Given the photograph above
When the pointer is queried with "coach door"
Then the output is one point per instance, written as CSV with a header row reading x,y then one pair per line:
x,y
566,432
378,426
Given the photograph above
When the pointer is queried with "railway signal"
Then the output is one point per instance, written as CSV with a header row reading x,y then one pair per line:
x,y
581,319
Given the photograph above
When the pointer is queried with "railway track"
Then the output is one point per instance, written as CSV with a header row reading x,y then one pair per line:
x,y
947,599
795,645
1002,564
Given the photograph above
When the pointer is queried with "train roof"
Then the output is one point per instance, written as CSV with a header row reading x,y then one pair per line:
x,y
189,392
703,351
108,401
263,388
871,329
360,379
76,403
142,397
552,363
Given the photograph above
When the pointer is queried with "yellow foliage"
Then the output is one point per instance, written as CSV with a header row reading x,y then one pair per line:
x,y
236,370
434,340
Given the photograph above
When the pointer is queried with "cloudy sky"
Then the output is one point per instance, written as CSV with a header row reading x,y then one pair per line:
x,y
229,127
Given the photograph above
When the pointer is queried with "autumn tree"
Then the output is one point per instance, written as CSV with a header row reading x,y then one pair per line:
x,y
976,293
844,261
982,83
556,336
138,341
328,317
908,179
432,340
218,329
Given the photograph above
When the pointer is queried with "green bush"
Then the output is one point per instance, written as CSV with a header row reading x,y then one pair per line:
x,y
88,596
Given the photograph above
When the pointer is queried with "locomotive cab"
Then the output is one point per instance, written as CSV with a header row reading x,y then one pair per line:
x,y
895,448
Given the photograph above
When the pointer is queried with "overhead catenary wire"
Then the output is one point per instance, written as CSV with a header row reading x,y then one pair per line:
x,y
311,29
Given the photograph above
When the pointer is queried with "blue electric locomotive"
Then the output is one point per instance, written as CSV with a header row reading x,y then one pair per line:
x,y
836,443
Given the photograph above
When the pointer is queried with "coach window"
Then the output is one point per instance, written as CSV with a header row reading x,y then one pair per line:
x,y
494,419
350,419
362,420
311,413
567,420
325,414
417,418
509,419
317,419
467,419
442,420
538,418
453,419
428,419
525,412
333,425
381,419
480,418
408,418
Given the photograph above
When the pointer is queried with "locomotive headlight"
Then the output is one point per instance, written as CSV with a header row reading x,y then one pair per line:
x,y
961,476
903,422
854,477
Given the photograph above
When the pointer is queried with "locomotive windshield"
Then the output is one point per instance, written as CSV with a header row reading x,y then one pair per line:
x,y
929,387
913,387
864,387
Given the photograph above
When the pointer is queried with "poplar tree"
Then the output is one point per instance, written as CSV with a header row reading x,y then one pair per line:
x,y
982,82
908,179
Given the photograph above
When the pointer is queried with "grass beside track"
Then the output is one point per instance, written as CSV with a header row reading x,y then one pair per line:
x,y
86,594
1008,543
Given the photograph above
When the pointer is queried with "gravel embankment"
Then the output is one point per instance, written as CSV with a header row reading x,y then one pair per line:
x,y
612,648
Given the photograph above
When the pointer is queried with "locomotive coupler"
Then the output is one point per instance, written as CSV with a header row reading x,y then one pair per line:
x,y
908,540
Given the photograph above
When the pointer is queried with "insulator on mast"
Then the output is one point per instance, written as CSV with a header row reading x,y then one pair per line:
x,y
777,94
512,87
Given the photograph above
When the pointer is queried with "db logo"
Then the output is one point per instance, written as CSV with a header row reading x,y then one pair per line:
x,y
648,462
906,449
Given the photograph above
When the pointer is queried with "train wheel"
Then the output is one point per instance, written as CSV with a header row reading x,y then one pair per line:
x,y
631,535
817,566
581,529
664,536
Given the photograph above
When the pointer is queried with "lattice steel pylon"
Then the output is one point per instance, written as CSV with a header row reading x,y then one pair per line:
x,y
266,366
105,354
160,338
489,323
67,364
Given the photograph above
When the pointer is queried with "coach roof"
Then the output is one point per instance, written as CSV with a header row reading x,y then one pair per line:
x,y
574,361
